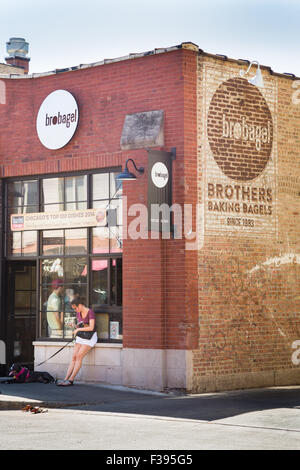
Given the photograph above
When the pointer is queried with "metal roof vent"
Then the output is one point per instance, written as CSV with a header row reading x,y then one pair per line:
x,y
17,47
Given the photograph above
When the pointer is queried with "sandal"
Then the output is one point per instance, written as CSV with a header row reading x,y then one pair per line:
x,y
65,383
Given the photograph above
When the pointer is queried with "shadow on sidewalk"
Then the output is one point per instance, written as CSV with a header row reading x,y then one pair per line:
x,y
207,407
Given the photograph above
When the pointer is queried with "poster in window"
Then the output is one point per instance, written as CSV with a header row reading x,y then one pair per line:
x,y
114,330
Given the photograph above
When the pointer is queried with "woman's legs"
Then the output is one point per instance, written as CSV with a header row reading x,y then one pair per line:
x,y
80,350
73,360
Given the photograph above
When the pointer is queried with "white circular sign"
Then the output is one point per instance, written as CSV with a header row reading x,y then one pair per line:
x,y
160,175
57,119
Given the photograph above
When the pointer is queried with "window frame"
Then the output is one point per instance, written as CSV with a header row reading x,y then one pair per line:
x,y
112,310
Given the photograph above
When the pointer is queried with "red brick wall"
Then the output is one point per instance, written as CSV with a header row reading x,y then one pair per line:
x,y
156,310
160,287
18,62
249,300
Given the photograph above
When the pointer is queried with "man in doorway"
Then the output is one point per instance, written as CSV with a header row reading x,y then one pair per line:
x,y
54,310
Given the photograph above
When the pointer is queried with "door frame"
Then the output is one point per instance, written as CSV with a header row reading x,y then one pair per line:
x,y
8,292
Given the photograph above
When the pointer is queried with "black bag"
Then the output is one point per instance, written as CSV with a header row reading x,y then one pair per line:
x,y
85,334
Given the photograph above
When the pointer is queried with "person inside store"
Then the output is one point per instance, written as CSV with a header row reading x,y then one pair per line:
x,y
86,338
55,310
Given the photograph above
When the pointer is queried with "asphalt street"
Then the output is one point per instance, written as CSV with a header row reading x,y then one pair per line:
x,y
97,417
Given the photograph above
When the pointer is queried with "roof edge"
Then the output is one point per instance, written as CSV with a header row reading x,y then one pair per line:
x,y
184,45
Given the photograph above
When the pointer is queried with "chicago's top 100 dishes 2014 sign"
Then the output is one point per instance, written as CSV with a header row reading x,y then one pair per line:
x,y
240,129
57,119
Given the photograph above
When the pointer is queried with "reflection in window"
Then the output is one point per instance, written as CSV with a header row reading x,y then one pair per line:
x,y
75,206
76,241
75,271
29,243
64,242
100,240
99,281
116,239
53,207
16,243
62,280
72,270
23,209
78,257
100,186
116,186
22,243
53,242
22,194
51,269
76,189
53,190
116,207
116,282
57,318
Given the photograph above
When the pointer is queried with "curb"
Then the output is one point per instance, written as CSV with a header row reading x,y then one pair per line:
x,y
18,405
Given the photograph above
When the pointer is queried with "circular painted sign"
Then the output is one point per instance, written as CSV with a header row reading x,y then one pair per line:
x,y
160,175
240,129
57,119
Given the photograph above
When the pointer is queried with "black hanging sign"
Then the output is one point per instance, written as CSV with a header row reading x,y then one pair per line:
x,y
159,191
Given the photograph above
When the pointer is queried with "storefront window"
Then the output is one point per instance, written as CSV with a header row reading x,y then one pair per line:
x,y
52,242
76,193
22,243
64,242
16,243
100,240
116,282
29,243
62,280
100,186
100,282
52,191
53,207
23,196
73,261
76,241
116,186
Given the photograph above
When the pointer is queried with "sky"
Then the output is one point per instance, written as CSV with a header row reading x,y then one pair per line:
x,y
65,33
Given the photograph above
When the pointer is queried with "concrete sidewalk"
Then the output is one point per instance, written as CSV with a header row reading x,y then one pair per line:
x,y
15,396
266,418
118,399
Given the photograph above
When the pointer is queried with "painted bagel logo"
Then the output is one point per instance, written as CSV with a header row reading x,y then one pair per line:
x,y
160,175
240,129
57,119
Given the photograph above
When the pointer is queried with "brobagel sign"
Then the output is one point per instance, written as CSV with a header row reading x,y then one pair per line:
x,y
240,185
57,119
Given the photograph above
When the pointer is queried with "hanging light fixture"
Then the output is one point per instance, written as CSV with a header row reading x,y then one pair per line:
x,y
257,79
126,175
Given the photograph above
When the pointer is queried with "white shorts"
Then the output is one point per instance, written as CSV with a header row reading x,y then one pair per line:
x,y
89,342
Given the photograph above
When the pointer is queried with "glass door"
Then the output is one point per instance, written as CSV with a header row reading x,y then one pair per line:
x,y
21,311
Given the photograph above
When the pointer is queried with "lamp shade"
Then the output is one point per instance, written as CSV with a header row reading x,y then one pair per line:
x,y
257,80
126,175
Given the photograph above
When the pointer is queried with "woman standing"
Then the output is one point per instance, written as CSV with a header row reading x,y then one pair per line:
x,y
86,338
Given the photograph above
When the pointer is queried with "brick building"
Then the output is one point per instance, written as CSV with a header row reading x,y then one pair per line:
x,y
209,301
